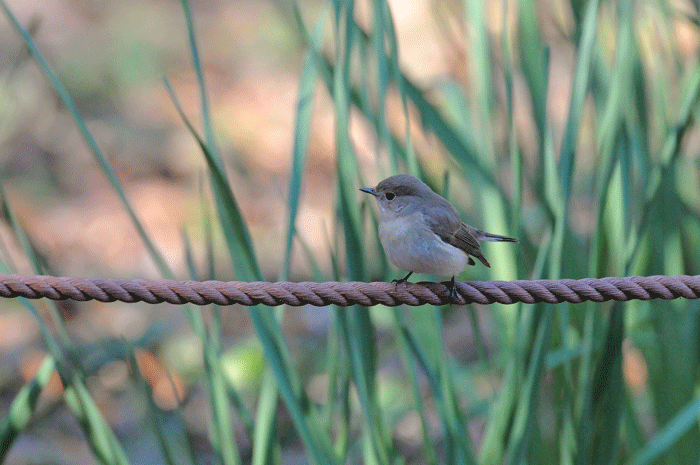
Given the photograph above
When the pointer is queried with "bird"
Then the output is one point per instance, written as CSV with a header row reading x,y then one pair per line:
x,y
421,232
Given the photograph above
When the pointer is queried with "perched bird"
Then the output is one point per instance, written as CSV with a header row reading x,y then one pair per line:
x,y
421,232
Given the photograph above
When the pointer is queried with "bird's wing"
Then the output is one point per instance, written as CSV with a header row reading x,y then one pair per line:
x,y
444,220
465,240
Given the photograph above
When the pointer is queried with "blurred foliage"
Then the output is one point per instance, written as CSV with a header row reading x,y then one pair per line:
x,y
571,127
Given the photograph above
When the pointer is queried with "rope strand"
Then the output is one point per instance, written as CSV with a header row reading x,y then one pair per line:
x,y
347,294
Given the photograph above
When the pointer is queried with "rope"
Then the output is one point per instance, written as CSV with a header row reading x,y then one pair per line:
x,y
346,294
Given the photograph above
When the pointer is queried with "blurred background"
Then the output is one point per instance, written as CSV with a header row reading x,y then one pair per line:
x,y
568,125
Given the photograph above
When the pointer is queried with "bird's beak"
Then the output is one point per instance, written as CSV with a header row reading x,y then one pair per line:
x,y
369,190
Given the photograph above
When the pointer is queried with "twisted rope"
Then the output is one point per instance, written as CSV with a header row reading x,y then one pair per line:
x,y
346,294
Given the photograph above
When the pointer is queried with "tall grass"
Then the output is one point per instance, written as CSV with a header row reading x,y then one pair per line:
x,y
551,384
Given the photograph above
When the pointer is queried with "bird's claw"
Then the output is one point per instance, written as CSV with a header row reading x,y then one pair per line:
x,y
453,289
402,280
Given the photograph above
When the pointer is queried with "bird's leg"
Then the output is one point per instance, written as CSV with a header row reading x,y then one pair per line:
x,y
402,280
453,289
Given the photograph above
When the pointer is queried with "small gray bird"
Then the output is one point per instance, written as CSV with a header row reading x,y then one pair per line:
x,y
421,232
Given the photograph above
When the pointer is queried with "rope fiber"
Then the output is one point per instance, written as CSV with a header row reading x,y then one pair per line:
x,y
347,294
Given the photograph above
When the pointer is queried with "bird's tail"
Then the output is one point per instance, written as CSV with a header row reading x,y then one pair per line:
x,y
484,236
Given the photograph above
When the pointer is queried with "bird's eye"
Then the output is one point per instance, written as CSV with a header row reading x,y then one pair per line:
x,y
390,196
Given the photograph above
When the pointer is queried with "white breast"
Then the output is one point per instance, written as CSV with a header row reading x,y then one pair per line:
x,y
411,245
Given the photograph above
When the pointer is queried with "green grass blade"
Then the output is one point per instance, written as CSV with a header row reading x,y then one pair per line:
x,y
464,152
266,449
602,408
500,418
686,419
222,439
534,65
516,161
243,412
100,438
410,367
307,83
358,333
346,163
521,439
219,391
459,448
377,40
305,418
102,441
338,392
89,140
475,18
163,442
23,406
28,247
410,156
579,91
235,230
206,114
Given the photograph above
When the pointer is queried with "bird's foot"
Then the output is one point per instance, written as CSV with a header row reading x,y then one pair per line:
x,y
453,289
402,280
